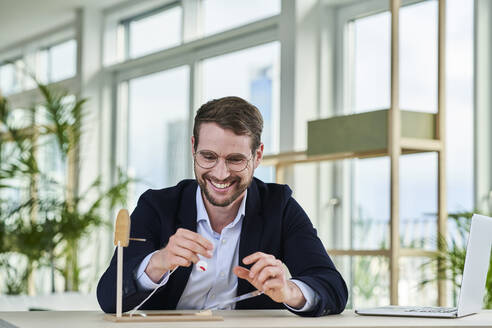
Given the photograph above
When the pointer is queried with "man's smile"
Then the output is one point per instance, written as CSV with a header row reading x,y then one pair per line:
x,y
221,187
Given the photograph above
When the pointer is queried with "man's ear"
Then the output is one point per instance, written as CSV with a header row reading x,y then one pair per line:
x,y
192,145
258,155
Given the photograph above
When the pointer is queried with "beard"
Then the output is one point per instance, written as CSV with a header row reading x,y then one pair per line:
x,y
239,186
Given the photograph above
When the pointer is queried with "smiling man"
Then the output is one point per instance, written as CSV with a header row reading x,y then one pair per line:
x,y
252,235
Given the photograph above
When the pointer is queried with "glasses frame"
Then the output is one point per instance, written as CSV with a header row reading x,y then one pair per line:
x,y
217,161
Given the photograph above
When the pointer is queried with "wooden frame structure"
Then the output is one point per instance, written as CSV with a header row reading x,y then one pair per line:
x,y
397,145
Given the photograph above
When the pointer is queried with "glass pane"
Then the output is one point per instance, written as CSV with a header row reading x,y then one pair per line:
x,y
459,105
304,184
53,168
418,201
418,57
10,81
50,158
155,32
158,136
371,63
367,279
418,284
62,61
220,15
371,203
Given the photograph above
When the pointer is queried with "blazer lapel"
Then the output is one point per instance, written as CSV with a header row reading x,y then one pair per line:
x,y
251,233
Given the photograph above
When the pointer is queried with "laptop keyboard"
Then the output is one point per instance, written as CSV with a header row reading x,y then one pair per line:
x,y
431,309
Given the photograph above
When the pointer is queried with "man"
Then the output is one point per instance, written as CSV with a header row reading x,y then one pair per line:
x,y
244,229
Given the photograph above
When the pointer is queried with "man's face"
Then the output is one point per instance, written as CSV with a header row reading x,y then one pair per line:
x,y
220,185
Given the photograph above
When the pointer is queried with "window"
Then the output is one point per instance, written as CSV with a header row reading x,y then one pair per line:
x,y
62,61
371,63
150,32
11,77
158,136
219,15
57,62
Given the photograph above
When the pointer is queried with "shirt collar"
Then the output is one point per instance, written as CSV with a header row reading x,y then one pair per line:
x,y
201,211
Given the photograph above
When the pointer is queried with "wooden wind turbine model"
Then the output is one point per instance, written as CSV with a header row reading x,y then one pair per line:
x,y
122,239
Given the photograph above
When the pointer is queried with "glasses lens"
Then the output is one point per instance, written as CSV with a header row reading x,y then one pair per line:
x,y
237,163
206,159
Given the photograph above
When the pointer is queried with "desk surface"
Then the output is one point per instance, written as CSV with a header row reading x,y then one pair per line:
x,y
241,319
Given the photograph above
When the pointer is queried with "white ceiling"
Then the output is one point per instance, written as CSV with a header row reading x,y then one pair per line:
x,y
24,19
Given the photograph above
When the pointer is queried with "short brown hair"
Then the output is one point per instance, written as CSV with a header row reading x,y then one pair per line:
x,y
232,113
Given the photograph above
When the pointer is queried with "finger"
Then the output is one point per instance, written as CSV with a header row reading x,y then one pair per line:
x,y
193,247
253,257
191,235
268,260
268,273
186,254
241,272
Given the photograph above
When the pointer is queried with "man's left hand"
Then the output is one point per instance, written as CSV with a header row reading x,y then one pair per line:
x,y
269,275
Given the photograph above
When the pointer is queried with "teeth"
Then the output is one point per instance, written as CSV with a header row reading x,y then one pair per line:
x,y
221,185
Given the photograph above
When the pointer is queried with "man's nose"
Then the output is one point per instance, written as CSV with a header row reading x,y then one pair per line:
x,y
221,171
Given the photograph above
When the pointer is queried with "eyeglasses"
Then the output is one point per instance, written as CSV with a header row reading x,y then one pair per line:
x,y
207,159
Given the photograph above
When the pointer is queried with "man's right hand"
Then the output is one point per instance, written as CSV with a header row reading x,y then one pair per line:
x,y
181,250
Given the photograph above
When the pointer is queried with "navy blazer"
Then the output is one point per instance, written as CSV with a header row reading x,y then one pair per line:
x,y
274,223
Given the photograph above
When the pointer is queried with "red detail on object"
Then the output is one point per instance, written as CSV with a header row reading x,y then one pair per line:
x,y
202,268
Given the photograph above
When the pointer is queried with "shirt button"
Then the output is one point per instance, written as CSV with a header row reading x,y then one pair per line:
x,y
224,241
212,296
222,274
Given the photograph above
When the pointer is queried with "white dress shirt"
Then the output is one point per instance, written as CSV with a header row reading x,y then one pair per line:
x,y
218,283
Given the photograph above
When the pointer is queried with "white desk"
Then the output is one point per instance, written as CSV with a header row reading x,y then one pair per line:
x,y
241,319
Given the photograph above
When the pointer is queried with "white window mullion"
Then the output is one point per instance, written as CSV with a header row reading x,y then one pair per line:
x,y
483,104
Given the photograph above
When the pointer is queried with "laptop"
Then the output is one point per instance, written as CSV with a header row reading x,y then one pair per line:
x,y
472,284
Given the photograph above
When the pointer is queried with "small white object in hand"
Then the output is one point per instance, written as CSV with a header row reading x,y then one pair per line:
x,y
201,266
